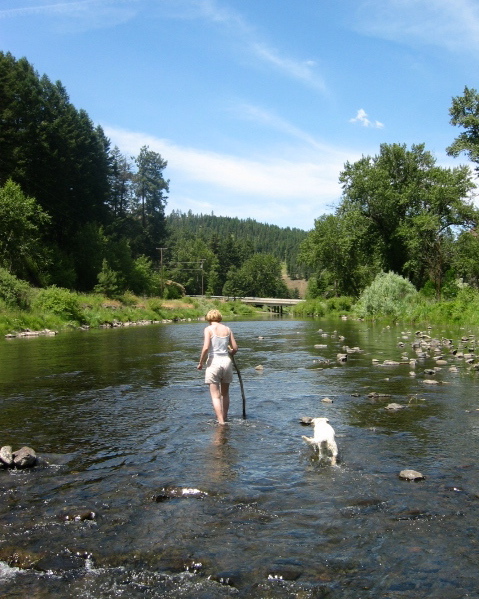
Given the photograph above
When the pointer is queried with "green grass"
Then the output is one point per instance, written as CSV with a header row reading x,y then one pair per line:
x,y
59,309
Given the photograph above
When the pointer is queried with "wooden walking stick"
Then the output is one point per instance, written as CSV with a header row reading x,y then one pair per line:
x,y
241,385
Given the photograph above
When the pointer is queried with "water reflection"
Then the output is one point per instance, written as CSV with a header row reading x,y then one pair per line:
x,y
220,456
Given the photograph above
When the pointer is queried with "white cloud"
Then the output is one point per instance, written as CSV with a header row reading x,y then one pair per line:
x,y
362,118
270,189
240,31
452,25
301,70
270,119
79,14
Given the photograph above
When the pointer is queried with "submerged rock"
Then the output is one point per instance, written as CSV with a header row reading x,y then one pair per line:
x,y
59,563
80,516
177,492
394,406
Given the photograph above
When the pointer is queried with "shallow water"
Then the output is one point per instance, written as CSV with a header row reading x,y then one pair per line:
x,y
119,415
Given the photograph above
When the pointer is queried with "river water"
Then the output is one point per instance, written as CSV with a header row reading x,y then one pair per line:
x,y
169,504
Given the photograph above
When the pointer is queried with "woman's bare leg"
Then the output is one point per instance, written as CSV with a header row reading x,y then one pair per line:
x,y
225,395
220,396
217,402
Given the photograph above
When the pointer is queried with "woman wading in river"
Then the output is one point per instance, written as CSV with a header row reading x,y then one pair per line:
x,y
218,343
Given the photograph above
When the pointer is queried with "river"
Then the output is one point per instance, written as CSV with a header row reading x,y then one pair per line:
x,y
169,504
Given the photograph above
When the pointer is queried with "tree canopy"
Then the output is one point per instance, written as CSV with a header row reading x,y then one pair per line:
x,y
399,212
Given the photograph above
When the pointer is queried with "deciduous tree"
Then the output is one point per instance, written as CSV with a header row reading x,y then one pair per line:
x,y
22,223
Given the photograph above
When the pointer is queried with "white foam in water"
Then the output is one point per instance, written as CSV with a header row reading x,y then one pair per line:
x,y
7,572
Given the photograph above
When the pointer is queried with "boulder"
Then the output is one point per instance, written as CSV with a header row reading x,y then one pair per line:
x,y
24,458
6,457
411,475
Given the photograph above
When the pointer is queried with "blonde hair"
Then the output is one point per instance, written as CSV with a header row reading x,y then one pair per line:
x,y
214,316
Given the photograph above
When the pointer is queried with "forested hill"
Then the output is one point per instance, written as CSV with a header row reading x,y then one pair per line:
x,y
282,243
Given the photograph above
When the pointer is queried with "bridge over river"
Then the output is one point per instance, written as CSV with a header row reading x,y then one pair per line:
x,y
275,303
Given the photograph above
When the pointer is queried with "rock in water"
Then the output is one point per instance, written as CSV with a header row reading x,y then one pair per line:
x,y
6,457
24,457
411,475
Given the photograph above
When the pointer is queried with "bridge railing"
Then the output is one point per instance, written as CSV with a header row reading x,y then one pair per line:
x,y
258,301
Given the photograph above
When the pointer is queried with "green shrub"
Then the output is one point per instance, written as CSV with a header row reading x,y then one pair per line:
x,y
312,307
14,292
388,295
59,301
110,282
339,304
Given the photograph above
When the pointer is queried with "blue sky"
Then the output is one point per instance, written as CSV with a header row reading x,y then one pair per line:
x,y
256,104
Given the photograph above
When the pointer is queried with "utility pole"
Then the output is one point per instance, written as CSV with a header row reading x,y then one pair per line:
x,y
202,274
161,269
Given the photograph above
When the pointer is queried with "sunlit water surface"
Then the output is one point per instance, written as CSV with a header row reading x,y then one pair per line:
x,y
118,415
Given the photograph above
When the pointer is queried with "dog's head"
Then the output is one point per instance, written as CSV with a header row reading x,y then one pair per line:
x,y
319,421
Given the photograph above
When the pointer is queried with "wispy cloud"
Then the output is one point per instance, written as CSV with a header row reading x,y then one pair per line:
x,y
270,119
300,70
80,14
252,42
295,191
452,25
362,118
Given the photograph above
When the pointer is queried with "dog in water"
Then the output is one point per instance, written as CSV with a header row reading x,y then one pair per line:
x,y
323,440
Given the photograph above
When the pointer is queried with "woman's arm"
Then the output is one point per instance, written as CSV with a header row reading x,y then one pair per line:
x,y
233,344
204,351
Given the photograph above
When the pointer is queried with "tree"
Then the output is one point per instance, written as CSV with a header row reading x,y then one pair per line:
x,y
121,183
191,265
466,258
411,207
464,113
54,152
150,187
259,276
341,255
22,222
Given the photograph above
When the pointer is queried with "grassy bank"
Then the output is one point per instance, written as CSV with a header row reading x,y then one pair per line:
x,y
391,305
58,309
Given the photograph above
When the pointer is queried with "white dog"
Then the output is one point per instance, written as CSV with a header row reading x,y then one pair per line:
x,y
323,439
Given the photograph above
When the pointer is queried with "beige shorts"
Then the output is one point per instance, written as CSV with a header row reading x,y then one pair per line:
x,y
219,370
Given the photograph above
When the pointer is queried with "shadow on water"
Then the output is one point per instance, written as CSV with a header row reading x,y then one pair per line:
x,y
141,494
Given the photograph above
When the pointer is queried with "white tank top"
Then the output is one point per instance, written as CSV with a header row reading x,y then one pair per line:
x,y
218,345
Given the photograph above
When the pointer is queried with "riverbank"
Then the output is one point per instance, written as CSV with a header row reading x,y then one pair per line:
x,y
57,310
51,310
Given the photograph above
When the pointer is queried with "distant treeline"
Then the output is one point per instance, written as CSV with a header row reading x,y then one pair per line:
x,y
254,237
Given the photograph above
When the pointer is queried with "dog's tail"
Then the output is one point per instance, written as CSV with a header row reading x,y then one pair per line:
x,y
308,440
